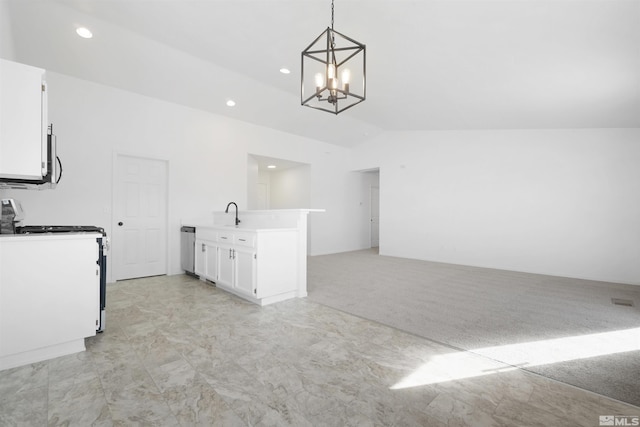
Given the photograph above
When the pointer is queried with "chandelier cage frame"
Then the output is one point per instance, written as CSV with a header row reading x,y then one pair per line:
x,y
333,51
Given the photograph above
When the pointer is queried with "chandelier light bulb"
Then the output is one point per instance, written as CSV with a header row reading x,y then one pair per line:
x,y
346,76
319,85
331,71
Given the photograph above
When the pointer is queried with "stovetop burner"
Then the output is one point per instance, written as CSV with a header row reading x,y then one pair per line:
x,y
41,229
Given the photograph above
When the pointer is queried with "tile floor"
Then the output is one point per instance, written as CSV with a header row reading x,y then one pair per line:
x,y
179,352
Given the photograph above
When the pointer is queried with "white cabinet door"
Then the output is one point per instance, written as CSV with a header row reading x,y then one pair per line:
x,y
201,258
206,264
236,269
245,271
276,265
52,304
225,266
23,121
211,261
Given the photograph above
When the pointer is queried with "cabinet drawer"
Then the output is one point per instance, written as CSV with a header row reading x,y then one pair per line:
x,y
206,234
245,239
225,237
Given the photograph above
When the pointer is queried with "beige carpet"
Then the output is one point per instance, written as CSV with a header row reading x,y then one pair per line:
x,y
562,328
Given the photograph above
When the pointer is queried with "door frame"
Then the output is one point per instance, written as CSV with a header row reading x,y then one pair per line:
x,y
371,188
365,190
114,186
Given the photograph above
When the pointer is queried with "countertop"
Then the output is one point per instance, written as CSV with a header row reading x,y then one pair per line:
x,y
254,220
48,236
248,228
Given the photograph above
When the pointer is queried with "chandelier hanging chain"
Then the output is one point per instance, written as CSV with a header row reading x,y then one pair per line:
x,y
333,37
332,14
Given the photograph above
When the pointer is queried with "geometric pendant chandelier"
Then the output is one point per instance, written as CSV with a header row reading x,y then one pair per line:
x,y
334,72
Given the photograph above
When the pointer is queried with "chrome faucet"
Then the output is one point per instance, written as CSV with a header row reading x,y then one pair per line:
x,y
227,211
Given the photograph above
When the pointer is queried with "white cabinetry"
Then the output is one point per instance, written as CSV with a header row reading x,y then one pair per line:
x,y
245,271
47,311
263,260
225,260
225,266
200,258
206,262
277,265
257,265
23,121
236,262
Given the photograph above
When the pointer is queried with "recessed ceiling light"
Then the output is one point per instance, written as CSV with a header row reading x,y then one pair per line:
x,y
271,167
84,32
231,103
285,70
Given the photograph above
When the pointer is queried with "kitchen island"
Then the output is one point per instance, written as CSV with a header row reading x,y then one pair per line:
x,y
49,295
262,259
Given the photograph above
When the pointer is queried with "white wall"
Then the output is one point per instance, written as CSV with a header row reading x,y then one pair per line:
x,y
264,181
281,188
341,192
560,202
6,36
290,188
207,157
253,173
332,187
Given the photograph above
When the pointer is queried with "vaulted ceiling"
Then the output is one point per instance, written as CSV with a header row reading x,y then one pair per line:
x,y
431,64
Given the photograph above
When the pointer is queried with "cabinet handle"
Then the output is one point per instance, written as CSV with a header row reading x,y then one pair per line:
x,y
230,253
243,240
204,247
234,254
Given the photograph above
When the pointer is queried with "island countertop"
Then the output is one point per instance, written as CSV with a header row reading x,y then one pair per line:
x,y
254,220
240,227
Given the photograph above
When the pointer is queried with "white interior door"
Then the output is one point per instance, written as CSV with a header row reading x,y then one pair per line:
x,y
139,244
375,217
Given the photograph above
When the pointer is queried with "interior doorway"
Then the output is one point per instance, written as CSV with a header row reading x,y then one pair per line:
x,y
370,201
375,216
139,243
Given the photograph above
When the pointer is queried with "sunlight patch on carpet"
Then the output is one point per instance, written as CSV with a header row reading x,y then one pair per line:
x,y
484,361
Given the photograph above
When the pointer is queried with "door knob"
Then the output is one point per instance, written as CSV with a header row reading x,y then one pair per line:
x,y
120,223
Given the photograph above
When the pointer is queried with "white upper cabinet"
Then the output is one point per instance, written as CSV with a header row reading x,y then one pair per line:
x,y
23,121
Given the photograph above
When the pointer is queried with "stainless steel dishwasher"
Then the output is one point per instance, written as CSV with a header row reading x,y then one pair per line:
x,y
188,249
